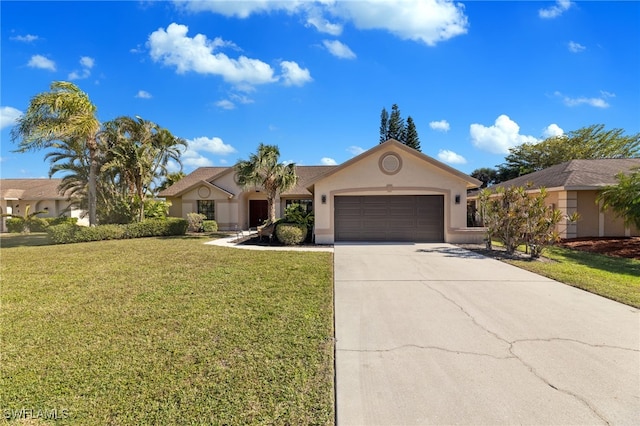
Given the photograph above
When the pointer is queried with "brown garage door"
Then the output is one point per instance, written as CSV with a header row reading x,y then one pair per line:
x,y
418,218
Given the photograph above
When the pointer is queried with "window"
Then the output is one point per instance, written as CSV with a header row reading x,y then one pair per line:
x,y
207,208
306,204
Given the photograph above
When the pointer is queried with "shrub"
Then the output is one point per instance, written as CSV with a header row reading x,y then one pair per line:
x,y
195,221
71,233
209,226
15,225
61,220
38,224
176,226
291,233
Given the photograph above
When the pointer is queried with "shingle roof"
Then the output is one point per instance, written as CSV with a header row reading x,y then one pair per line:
x,y
305,174
198,175
577,174
30,189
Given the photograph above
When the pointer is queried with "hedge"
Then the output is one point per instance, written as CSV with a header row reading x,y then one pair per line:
x,y
38,224
71,233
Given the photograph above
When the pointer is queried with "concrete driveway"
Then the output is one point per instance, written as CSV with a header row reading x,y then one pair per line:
x,y
434,334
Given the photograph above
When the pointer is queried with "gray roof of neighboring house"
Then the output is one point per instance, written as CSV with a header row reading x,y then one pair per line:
x,y
576,174
209,174
30,189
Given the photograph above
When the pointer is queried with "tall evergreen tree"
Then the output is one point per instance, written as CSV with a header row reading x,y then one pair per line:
x,y
384,125
394,127
396,124
410,138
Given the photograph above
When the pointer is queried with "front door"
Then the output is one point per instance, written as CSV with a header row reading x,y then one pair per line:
x,y
258,212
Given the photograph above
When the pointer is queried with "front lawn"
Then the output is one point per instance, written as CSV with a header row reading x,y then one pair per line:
x,y
166,331
612,277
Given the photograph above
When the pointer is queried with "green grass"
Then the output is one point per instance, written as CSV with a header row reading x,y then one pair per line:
x,y
612,277
22,240
167,331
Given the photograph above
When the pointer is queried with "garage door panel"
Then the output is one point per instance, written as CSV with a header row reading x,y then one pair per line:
x,y
389,218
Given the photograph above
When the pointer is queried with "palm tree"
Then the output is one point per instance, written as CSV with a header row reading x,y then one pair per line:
x,y
263,170
139,152
63,113
28,220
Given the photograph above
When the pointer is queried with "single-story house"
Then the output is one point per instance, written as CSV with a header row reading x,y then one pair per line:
x,y
573,186
40,194
388,193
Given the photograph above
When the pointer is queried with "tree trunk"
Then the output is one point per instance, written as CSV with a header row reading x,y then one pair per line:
x,y
271,202
93,177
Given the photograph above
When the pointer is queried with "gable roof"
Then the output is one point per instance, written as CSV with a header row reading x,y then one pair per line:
x,y
30,189
210,174
471,181
198,175
576,174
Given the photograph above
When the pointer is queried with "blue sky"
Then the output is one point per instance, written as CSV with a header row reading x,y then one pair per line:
x,y
312,77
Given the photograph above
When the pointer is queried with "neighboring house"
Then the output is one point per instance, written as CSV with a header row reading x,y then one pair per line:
x,y
388,193
572,187
40,194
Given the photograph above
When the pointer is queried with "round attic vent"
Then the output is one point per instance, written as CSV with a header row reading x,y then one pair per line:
x,y
204,192
390,163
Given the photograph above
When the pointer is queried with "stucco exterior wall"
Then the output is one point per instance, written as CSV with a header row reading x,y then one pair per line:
x,y
588,224
54,208
415,177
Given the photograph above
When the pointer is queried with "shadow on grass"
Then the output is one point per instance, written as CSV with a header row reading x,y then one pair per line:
x,y
615,265
24,240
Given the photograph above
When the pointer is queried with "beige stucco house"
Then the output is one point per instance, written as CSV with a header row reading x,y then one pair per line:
x,y
572,187
388,193
41,195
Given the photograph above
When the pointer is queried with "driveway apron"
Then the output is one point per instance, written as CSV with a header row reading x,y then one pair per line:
x,y
435,334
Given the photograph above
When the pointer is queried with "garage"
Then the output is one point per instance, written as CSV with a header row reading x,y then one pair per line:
x,y
410,218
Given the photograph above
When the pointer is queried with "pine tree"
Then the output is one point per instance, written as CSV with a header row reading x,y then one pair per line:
x,y
393,127
384,125
411,135
396,124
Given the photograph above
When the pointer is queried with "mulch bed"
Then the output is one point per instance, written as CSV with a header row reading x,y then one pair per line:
x,y
619,247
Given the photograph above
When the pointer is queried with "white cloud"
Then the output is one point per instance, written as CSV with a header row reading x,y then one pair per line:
x,y
241,98
39,61
239,9
173,47
86,62
143,94
338,49
293,75
428,21
575,47
556,10
8,116
193,155
596,102
498,138
451,157
25,38
355,150
324,26
225,104
213,145
194,159
552,130
328,161
441,126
